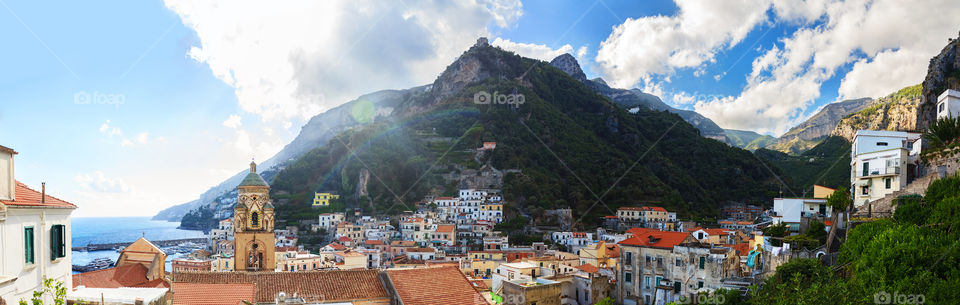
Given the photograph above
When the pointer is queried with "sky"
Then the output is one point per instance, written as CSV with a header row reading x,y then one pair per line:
x,y
128,107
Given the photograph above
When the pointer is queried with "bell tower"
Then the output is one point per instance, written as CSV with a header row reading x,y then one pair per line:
x,y
253,221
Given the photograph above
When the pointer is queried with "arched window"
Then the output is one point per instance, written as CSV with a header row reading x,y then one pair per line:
x,y
255,219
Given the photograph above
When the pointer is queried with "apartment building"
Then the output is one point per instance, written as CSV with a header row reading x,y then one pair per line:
x,y
882,162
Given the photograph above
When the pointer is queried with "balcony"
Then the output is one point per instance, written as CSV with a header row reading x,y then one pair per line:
x,y
880,172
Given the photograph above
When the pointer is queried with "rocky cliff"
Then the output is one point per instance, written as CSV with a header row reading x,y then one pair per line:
x,y
897,111
942,74
809,133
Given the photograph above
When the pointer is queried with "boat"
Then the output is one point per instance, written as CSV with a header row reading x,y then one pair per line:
x,y
96,264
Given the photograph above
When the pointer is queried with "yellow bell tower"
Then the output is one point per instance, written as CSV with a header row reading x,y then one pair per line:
x,y
253,221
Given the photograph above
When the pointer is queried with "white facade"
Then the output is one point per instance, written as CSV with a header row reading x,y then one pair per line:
x,y
23,271
790,211
882,162
329,221
948,104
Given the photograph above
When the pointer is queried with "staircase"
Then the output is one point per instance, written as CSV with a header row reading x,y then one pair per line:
x,y
884,206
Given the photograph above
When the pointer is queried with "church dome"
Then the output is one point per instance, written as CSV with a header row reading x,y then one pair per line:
x,y
253,179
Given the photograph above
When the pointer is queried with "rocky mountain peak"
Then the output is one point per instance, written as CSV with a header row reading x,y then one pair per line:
x,y
942,74
568,64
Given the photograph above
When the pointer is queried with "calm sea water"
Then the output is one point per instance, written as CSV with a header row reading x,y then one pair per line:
x,y
100,230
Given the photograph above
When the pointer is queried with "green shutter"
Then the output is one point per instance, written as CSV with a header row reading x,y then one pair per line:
x,y
702,261
57,242
676,287
28,245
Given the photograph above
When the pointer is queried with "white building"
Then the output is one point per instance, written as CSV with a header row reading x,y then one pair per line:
x,y
329,221
34,236
790,211
948,104
573,240
882,162
224,230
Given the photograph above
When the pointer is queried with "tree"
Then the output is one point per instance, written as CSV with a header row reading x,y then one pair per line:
x,y
605,301
838,201
943,132
777,230
50,288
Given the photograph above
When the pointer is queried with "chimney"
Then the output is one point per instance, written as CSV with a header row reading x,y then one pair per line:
x,y
43,192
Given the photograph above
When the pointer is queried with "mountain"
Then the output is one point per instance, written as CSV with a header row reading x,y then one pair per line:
x,y
943,73
563,146
314,133
634,98
809,133
827,164
897,111
748,140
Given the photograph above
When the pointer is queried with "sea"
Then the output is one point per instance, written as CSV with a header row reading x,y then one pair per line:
x,y
101,230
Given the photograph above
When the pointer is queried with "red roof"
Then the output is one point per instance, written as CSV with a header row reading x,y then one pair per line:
x,y
742,249
213,294
373,242
345,239
26,196
336,246
644,208
828,222
444,285
612,250
445,228
312,286
609,217
444,198
656,239
588,268
638,231
123,276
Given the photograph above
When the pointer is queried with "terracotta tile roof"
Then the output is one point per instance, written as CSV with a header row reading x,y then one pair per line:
x,y
212,294
656,239
26,196
444,198
445,228
345,239
373,242
123,276
313,286
638,231
402,243
446,285
588,268
742,249
427,249
8,150
336,246
645,208
613,250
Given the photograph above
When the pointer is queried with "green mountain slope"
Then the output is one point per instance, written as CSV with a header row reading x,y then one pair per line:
x,y
748,140
570,144
827,164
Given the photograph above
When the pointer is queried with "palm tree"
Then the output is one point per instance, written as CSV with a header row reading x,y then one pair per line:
x,y
943,132
838,201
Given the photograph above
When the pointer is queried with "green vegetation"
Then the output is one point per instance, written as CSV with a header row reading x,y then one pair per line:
x,y
826,164
943,133
571,144
914,255
748,140
52,288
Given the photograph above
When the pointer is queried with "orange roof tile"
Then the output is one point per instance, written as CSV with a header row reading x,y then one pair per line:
x,y
26,196
613,250
638,231
445,285
313,286
212,294
588,268
445,228
373,242
123,276
742,248
656,239
444,198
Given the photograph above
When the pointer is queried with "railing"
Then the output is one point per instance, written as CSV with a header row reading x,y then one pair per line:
x,y
890,170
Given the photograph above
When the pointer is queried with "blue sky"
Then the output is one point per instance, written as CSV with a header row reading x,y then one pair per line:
x,y
127,107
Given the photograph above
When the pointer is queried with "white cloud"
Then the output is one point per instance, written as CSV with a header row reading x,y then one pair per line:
x,y
293,59
98,182
889,42
106,129
532,50
581,52
232,122
643,47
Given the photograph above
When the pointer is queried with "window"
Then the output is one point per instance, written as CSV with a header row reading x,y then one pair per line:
x,y
629,258
676,287
703,261
57,242
628,277
866,169
255,219
887,182
28,245
882,144
941,107
865,190
678,262
699,284
647,279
